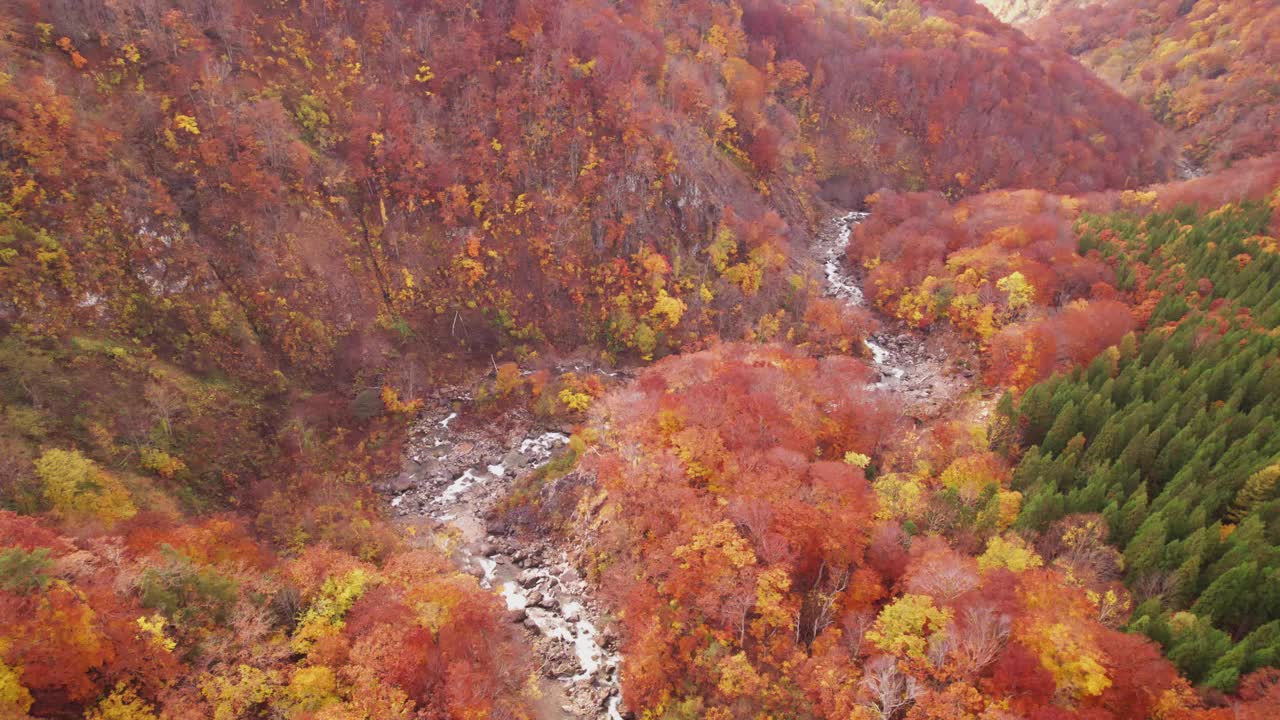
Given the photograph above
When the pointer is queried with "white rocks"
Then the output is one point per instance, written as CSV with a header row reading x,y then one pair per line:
x,y
516,600
489,565
841,284
899,361
885,363
464,476
459,486
538,449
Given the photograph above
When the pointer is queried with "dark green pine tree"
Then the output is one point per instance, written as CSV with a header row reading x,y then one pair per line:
x,y
1031,470
1132,513
1128,347
1034,414
1145,551
1092,497
1123,392
1248,542
1195,649
1154,443
1261,648
1063,429
1043,505
1095,414
1186,579
1229,600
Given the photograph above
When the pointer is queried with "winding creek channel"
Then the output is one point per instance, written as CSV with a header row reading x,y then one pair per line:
x,y
455,472
907,363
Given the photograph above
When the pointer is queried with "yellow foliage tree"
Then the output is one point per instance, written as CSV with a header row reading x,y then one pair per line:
x,y
391,400
76,486
970,475
234,692
15,700
901,496
773,589
737,677
904,627
153,628
1020,292
508,378
857,459
312,688
325,614
1068,657
1009,551
573,400
722,537
122,704
1010,504
667,310
186,123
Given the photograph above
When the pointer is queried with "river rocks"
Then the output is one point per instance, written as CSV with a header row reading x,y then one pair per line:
x,y
609,636
907,362
456,471
401,483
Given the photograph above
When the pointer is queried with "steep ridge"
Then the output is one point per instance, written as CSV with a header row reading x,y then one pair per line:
x,y
321,175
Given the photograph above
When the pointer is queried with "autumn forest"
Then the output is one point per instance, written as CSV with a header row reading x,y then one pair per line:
x,y
639,359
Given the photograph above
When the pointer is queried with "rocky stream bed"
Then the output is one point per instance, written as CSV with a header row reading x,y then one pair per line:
x,y
911,364
455,472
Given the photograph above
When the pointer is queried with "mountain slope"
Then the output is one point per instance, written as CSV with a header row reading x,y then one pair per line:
x,y
239,239
499,177
1206,70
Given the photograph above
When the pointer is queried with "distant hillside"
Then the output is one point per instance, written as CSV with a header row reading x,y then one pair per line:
x,y
1207,70
1021,11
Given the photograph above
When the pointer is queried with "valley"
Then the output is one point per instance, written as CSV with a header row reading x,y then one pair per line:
x,y
639,360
